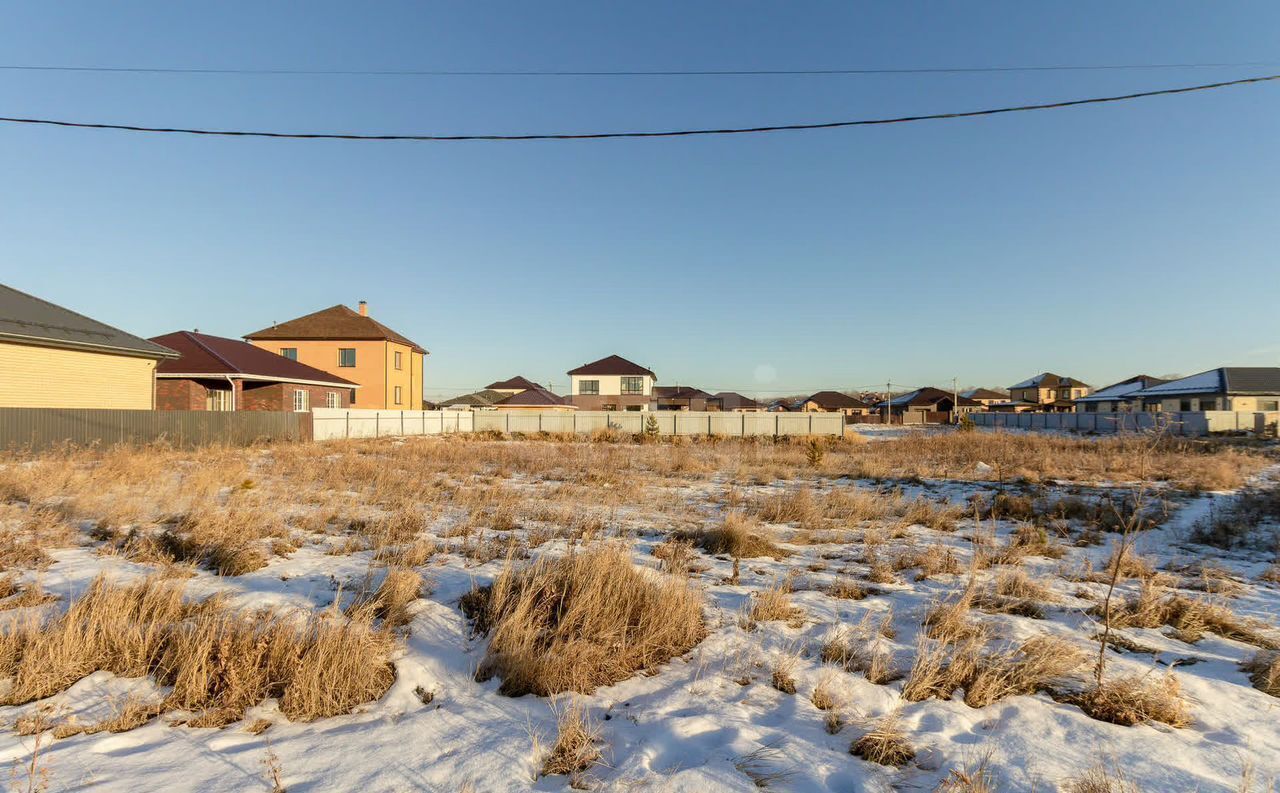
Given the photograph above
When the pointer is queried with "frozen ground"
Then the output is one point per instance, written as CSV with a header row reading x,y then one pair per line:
x,y
711,720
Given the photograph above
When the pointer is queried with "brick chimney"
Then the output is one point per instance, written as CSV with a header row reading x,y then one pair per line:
x,y
364,308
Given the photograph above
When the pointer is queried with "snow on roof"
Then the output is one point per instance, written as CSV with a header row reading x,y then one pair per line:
x,y
1032,382
1116,391
1202,383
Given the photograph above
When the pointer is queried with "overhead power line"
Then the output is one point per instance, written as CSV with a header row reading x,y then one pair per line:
x,y
626,73
653,134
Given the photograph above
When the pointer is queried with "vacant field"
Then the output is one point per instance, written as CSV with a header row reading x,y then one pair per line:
x,y
962,612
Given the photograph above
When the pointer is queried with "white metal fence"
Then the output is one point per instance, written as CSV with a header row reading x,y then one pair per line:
x,y
340,423
1192,423
332,423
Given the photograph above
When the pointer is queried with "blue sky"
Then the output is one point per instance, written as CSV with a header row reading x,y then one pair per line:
x,y
1098,242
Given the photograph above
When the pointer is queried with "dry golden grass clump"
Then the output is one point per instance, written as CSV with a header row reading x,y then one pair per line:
x,y
1026,670
390,602
1264,672
929,561
885,743
774,605
1135,699
1190,618
581,621
738,536
576,748
218,661
1100,779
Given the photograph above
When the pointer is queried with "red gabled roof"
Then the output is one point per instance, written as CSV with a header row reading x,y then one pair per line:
x,y
614,364
202,354
337,323
533,397
515,382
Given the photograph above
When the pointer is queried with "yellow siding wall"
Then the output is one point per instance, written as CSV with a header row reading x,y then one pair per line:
x,y
51,377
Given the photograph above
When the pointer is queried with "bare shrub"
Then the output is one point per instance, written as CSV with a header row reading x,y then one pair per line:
x,y
581,621
1134,699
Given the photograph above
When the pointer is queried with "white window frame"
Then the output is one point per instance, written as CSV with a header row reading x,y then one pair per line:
x,y
399,359
331,399
220,399
351,365
398,395
301,400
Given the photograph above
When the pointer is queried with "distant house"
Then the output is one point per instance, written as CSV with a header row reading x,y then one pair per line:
x,y
1046,392
512,386
680,397
925,401
733,402
517,393
53,357
1118,397
612,383
356,347
833,402
213,373
984,396
1238,388
780,406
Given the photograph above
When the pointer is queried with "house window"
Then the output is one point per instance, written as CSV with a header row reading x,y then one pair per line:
x,y
1209,404
219,399
331,399
609,407
588,386
301,401
346,357
633,385
289,352
399,360
1269,405
1184,405
398,399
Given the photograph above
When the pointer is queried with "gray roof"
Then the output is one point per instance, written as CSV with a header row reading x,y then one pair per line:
x,y
1223,380
1123,391
28,319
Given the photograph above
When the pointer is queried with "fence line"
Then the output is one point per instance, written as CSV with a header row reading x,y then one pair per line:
x,y
355,423
41,428
1192,423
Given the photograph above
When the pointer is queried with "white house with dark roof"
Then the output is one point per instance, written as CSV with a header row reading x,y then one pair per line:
x,y
612,383
1233,388
1120,397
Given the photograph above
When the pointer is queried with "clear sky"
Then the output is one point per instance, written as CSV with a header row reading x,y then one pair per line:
x,y
1097,242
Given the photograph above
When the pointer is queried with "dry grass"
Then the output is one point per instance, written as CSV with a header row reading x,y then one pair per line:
x,y
885,743
738,536
218,661
1100,779
390,602
774,605
1135,699
576,746
1026,670
1264,672
582,621
1190,618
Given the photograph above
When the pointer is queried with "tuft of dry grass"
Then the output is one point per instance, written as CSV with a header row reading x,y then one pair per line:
x,y
1100,779
738,536
1025,670
885,743
582,621
1135,699
774,604
1190,618
390,602
576,746
217,661
1264,672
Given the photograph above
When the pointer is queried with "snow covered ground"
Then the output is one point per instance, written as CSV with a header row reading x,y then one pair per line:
x,y
711,720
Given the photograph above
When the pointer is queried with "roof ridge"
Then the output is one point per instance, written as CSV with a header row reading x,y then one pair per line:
x,y
195,337
87,318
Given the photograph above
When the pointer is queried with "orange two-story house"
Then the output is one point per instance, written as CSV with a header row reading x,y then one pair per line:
x,y
356,347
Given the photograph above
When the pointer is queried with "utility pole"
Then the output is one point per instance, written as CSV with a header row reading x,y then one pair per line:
x,y
888,403
955,401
